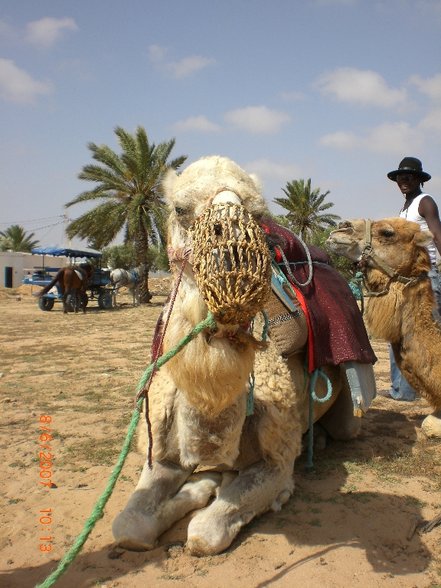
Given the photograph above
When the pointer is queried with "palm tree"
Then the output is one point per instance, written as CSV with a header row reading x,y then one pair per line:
x,y
306,209
129,186
15,238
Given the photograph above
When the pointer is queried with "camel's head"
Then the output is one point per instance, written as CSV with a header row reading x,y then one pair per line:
x,y
214,205
394,242
210,180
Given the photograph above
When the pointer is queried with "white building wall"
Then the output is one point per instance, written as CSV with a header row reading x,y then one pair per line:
x,y
22,263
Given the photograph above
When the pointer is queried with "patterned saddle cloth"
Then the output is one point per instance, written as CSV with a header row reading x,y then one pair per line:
x,y
310,290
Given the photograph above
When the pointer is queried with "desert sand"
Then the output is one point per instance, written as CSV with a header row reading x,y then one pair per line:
x,y
67,388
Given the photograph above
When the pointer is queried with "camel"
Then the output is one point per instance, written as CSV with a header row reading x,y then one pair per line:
x,y
400,306
212,453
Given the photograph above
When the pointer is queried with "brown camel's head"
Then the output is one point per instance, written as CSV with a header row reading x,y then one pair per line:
x,y
395,242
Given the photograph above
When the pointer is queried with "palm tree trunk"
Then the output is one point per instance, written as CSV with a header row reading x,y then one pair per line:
x,y
141,251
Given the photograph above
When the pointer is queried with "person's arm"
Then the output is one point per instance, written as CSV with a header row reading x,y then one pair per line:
x,y
429,210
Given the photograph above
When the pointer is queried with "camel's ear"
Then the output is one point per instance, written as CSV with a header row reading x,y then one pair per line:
x,y
256,182
168,183
423,238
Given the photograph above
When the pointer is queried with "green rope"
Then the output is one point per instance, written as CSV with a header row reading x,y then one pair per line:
x,y
251,379
98,510
356,286
265,326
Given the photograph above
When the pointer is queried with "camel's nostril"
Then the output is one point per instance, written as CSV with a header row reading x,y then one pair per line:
x,y
217,228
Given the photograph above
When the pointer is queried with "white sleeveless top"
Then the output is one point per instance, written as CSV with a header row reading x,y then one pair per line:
x,y
412,214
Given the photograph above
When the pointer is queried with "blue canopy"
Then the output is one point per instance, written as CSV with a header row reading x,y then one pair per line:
x,y
66,252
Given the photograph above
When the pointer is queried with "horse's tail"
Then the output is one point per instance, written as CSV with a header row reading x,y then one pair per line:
x,y
52,283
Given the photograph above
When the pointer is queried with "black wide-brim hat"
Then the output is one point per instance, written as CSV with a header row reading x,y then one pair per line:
x,y
410,165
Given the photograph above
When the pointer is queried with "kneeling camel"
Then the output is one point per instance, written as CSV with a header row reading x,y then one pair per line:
x,y
228,412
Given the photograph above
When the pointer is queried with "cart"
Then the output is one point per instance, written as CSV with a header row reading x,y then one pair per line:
x,y
99,287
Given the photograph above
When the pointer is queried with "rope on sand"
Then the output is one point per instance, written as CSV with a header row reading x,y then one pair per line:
x,y
98,510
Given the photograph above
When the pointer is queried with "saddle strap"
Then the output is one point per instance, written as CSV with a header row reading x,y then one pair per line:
x,y
283,294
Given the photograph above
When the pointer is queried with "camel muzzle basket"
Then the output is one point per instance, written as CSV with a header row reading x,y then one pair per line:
x,y
231,262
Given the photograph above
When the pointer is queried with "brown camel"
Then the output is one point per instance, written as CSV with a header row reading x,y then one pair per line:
x,y
400,306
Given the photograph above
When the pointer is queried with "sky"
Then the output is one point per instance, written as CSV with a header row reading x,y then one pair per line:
x,y
338,91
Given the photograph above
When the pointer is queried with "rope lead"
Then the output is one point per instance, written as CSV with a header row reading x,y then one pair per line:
x,y
98,510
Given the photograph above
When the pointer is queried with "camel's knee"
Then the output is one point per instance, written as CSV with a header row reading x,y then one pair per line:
x,y
431,425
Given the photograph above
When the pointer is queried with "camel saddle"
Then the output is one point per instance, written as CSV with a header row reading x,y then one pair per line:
x,y
335,322
336,330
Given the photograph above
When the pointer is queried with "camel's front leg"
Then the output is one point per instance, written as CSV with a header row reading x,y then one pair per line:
x,y
253,491
160,499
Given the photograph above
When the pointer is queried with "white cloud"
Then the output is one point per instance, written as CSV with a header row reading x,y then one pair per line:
x,y
182,68
363,87
157,53
386,138
47,31
431,87
257,119
197,123
393,138
339,140
188,65
432,121
265,168
16,85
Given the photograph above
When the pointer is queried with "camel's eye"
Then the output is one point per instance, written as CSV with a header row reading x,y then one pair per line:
x,y
179,210
388,233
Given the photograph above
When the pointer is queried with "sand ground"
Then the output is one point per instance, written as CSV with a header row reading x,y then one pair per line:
x,y
353,521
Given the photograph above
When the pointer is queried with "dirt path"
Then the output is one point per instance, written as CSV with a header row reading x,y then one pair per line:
x,y
351,522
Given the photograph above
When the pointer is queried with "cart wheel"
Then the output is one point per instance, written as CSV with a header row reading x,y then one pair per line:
x,y
46,303
105,300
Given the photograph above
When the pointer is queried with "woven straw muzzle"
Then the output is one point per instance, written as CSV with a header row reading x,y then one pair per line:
x,y
232,263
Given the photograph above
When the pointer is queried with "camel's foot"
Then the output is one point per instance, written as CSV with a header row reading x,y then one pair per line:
x,y
213,529
431,426
137,528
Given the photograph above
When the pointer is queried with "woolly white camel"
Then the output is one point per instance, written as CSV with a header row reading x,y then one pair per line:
x,y
198,400
393,257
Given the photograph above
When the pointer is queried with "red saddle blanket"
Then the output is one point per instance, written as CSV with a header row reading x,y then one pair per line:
x,y
337,331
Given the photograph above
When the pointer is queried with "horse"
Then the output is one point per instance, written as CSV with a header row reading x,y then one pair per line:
x,y
72,282
130,278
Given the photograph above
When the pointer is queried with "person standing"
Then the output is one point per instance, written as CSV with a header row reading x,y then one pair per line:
x,y
418,207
